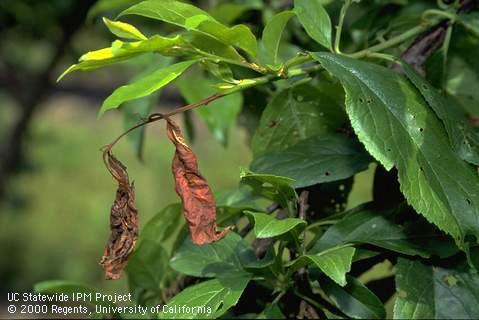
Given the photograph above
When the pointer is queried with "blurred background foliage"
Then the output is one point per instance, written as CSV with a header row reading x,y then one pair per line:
x,y
55,194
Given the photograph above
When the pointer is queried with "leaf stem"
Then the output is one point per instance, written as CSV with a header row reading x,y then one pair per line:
x,y
308,300
159,116
339,27
391,42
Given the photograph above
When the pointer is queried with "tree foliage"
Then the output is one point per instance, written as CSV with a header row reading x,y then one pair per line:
x,y
389,87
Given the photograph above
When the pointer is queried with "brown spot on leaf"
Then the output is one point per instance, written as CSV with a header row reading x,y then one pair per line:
x,y
199,206
123,221
272,123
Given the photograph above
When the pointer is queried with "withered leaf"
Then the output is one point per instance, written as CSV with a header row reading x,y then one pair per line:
x,y
199,206
123,221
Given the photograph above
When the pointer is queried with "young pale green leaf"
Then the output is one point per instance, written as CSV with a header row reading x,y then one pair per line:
x,y
275,188
296,114
463,136
272,37
266,226
145,86
219,115
216,295
431,292
121,51
315,160
69,287
399,129
315,20
355,300
192,18
334,262
124,30
381,228
209,260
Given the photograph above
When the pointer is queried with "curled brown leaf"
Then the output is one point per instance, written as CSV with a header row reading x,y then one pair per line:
x,y
199,206
123,221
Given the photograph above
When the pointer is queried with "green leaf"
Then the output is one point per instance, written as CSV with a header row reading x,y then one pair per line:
x,y
228,12
470,22
397,127
219,115
216,295
121,51
272,37
278,189
145,86
431,292
162,226
124,30
464,138
210,260
296,114
266,226
334,262
70,287
192,18
382,228
316,160
355,300
315,20
272,311
147,267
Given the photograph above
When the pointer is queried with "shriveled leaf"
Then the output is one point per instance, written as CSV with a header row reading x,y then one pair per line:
x,y
272,37
431,292
382,228
145,85
124,30
296,114
192,18
123,221
316,160
199,206
212,260
399,129
354,299
121,51
463,136
266,226
275,188
315,20
334,262
219,115
219,294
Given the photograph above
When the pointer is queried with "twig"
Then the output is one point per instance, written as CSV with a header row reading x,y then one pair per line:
x,y
303,204
428,42
159,116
